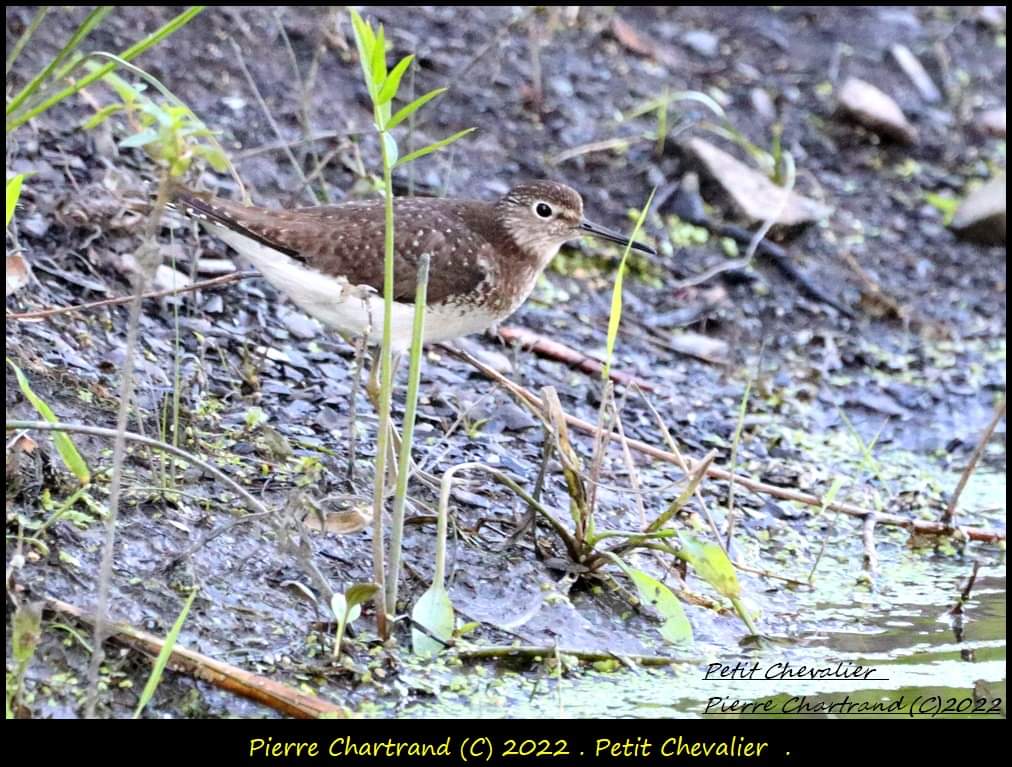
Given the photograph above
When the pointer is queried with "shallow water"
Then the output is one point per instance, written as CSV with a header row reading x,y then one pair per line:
x,y
915,657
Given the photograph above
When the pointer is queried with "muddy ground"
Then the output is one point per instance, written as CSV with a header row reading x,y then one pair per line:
x,y
893,399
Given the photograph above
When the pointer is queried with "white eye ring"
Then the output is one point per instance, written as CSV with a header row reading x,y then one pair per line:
x,y
543,209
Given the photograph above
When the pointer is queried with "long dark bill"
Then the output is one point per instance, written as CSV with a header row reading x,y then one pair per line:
x,y
604,233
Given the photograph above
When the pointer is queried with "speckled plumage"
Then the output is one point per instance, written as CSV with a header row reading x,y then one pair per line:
x,y
484,257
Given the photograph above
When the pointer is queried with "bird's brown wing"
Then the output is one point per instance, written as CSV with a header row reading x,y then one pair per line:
x,y
347,240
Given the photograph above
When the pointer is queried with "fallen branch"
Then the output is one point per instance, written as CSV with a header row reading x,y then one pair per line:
x,y
277,696
553,350
786,494
224,279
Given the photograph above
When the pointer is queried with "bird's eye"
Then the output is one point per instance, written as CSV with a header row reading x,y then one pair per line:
x,y
543,209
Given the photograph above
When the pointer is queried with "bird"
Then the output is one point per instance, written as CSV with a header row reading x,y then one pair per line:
x,y
485,257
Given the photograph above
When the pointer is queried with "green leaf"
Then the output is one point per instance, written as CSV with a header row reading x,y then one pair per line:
x,y
127,92
101,116
433,147
364,42
215,157
360,593
711,564
676,627
393,80
339,606
347,607
615,317
378,62
143,138
163,657
363,32
405,112
13,195
64,446
434,610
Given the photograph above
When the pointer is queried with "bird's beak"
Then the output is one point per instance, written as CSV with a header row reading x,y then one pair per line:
x,y
596,230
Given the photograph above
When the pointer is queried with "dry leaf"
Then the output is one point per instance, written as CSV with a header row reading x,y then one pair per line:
x,y
18,273
345,522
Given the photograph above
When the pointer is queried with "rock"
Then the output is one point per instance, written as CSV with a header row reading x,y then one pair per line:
x,y
981,216
298,324
869,106
992,122
992,16
167,278
713,350
763,104
913,69
215,266
752,193
496,360
706,44
36,225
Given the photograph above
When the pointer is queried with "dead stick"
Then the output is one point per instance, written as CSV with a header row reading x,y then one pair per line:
x,y
950,513
546,347
276,695
224,279
787,494
964,597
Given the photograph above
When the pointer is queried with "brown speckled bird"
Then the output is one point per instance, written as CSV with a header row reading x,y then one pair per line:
x,y
484,257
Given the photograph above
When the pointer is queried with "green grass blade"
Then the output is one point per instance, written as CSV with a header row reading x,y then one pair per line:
x,y
13,195
433,147
410,408
90,22
163,657
26,36
64,446
405,112
130,53
615,317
